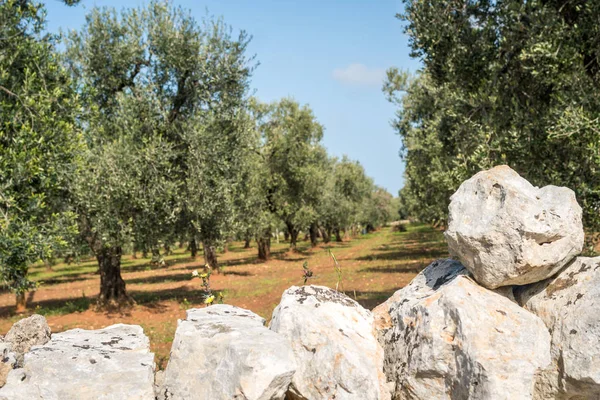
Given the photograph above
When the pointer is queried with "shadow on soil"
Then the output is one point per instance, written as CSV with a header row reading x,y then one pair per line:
x,y
370,300
67,306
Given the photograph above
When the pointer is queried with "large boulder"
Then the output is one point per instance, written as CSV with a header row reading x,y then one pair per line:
x,y
446,337
223,352
26,333
113,363
333,341
507,232
569,305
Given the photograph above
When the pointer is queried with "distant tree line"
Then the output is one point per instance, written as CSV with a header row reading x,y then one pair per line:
x,y
503,82
141,134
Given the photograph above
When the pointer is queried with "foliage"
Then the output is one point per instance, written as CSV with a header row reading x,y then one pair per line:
x,y
164,124
38,144
345,192
296,162
507,82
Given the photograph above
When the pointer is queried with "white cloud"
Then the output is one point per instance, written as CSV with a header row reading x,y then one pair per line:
x,y
359,74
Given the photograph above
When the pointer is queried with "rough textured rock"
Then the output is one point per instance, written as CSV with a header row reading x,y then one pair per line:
x,y
8,361
332,337
569,305
28,332
449,338
113,363
225,352
507,232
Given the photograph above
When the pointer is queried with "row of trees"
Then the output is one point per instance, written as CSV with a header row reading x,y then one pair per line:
x,y
503,82
142,134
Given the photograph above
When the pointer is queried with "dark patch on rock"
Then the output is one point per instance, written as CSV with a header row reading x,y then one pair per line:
x,y
113,340
323,295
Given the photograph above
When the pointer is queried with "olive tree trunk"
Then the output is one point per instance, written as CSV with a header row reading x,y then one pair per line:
x,y
293,235
112,285
193,248
326,233
21,301
338,235
264,247
210,255
312,231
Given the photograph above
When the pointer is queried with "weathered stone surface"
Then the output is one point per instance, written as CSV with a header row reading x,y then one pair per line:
x,y
225,352
113,363
333,341
8,361
507,232
569,305
28,332
449,338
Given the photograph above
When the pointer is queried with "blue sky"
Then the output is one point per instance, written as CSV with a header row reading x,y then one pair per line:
x,y
331,54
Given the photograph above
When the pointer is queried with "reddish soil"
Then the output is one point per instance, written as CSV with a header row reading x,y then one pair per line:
x,y
373,267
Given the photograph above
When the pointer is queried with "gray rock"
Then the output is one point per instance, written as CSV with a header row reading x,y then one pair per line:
x,y
113,363
569,305
449,338
333,341
225,352
28,332
507,232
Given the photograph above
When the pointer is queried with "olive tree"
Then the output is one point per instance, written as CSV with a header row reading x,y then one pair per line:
x,y
162,97
296,162
39,142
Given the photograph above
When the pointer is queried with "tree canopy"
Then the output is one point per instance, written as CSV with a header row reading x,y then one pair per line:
x,y
506,82
39,143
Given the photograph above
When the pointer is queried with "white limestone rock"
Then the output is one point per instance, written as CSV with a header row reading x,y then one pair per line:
x,y
507,232
333,341
569,305
26,333
113,363
449,338
224,352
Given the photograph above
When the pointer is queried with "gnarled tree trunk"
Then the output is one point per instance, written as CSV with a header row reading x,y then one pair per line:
x,y
193,248
264,247
247,243
21,302
338,235
293,235
112,285
210,255
313,234
326,233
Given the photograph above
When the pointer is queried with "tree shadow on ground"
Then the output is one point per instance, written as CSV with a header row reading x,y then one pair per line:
x,y
51,307
149,299
405,253
67,279
407,268
72,305
237,273
148,266
186,276
371,299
